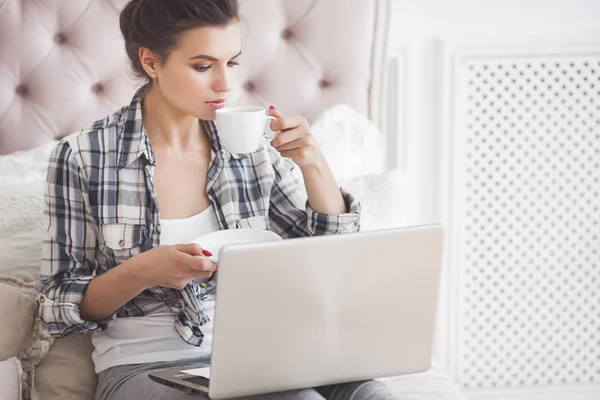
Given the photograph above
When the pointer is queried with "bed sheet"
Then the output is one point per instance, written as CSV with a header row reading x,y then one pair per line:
x,y
434,384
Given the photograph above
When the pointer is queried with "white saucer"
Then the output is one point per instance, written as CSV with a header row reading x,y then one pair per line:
x,y
215,241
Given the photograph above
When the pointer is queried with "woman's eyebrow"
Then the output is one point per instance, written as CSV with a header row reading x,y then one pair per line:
x,y
209,58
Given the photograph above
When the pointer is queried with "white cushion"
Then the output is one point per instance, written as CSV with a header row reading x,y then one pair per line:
x,y
351,143
383,197
22,220
25,166
22,226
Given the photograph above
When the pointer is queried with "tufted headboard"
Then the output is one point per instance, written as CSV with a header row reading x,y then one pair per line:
x,y
63,64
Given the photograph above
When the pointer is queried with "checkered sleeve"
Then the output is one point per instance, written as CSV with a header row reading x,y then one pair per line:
x,y
290,214
68,250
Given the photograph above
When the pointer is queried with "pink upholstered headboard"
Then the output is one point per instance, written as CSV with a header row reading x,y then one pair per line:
x,y
63,64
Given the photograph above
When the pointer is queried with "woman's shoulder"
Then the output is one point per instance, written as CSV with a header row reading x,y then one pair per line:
x,y
92,144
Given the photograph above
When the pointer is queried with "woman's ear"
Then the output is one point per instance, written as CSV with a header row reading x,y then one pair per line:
x,y
149,62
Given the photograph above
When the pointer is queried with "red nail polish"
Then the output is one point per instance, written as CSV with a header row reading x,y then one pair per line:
x,y
271,107
206,253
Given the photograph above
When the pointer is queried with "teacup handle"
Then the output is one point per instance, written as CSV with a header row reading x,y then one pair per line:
x,y
269,133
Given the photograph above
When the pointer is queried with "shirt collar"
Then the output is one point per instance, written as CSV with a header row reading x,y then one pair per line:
x,y
133,139
211,128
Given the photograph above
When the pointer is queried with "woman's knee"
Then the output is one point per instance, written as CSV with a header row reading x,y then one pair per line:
x,y
299,394
371,390
359,390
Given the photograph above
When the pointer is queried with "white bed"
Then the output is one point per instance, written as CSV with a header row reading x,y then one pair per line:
x,y
62,65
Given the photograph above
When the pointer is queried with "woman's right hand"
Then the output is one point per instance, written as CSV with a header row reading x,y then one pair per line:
x,y
174,266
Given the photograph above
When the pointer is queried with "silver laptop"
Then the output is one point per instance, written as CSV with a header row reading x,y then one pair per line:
x,y
321,310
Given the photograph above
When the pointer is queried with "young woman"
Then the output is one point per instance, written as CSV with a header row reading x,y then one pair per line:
x,y
127,195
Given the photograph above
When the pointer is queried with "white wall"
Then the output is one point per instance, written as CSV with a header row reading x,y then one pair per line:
x,y
437,50
530,17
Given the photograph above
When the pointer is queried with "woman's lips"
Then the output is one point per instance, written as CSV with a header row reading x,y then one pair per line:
x,y
216,104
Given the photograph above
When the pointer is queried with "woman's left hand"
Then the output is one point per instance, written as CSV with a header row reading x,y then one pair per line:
x,y
295,141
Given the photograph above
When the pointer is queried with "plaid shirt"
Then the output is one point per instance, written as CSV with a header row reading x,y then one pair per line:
x,y
102,210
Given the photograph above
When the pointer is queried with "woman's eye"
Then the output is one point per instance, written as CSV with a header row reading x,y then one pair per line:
x,y
201,68
233,63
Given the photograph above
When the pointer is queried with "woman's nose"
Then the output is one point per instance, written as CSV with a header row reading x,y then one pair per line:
x,y
224,80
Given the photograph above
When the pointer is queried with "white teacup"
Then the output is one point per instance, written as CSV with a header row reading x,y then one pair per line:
x,y
244,129
217,240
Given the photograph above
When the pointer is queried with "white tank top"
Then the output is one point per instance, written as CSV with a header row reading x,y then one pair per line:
x,y
153,338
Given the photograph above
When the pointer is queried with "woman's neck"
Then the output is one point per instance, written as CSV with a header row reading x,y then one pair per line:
x,y
167,126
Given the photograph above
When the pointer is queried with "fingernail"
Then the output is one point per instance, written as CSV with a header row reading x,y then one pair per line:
x,y
271,108
206,253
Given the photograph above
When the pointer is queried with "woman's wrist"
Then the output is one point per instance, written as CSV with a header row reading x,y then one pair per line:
x,y
324,195
132,271
318,166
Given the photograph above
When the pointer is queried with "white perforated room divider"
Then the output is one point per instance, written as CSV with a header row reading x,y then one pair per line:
x,y
526,211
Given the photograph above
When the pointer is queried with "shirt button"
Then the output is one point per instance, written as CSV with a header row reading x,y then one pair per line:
x,y
202,285
157,229
122,243
225,154
42,299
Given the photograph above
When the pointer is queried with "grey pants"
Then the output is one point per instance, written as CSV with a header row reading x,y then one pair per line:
x,y
131,382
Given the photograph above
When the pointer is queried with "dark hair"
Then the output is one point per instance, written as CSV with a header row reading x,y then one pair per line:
x,y
158,24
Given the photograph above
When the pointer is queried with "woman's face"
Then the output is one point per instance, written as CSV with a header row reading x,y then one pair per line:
x,y
199,72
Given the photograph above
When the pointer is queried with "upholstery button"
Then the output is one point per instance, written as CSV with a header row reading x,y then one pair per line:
x,y
22,90
122,243
287,34
98,88
249,86
225,154
60,38
324,83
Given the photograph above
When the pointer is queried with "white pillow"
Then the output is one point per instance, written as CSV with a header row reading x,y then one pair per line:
x,y
10,379
22,220
351,143
384,199
22,226
25,166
